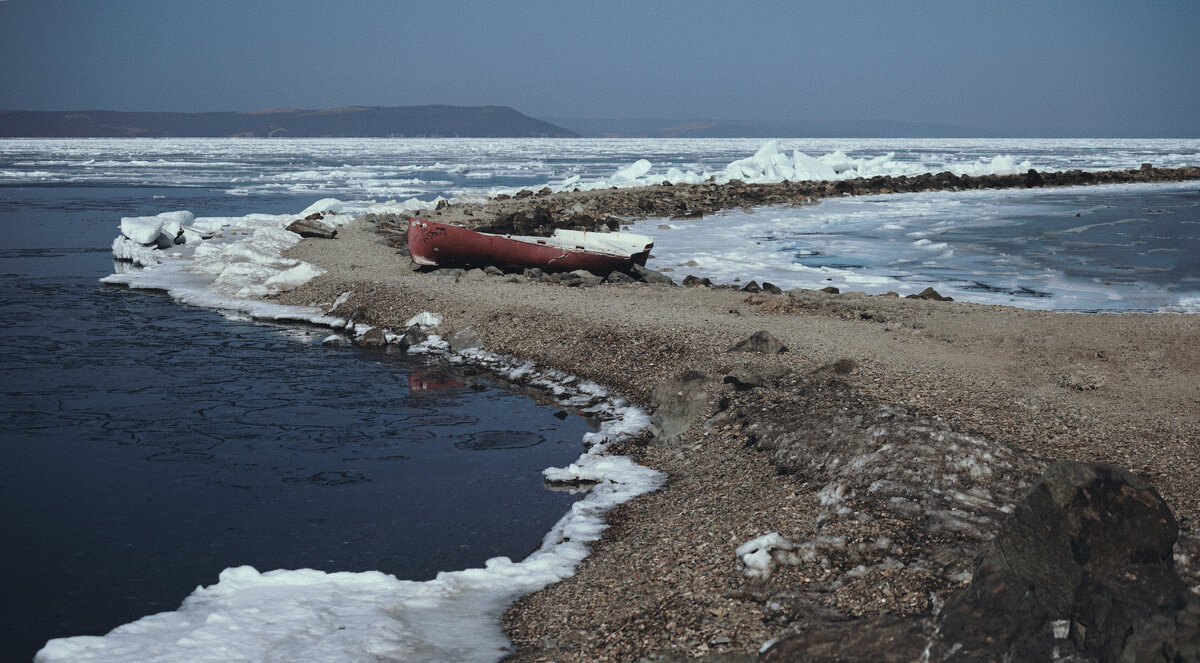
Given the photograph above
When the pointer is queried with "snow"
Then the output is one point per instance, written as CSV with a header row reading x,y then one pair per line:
x,y
760,555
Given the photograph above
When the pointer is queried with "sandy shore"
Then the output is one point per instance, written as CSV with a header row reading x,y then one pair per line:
x,y
974,400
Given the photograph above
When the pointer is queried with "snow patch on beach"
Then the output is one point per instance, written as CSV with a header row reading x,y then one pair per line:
x,y
230,263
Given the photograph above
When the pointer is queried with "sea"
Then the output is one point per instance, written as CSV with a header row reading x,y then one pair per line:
x,y
176,468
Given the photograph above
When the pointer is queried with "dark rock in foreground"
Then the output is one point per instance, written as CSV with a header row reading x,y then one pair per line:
x,y
1089,543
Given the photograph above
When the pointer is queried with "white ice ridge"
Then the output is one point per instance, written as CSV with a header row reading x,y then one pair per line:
x,y
307,615
769,165
228,263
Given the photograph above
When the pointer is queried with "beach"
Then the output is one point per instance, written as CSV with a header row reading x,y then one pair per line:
x,y
975,401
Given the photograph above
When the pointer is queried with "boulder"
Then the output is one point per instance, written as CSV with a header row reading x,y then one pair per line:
x,y
414,335
1091,543
996,618
311,227
1081,518
373,337
930,294
583,277
760,341
464,338
679,402
620,277
651,276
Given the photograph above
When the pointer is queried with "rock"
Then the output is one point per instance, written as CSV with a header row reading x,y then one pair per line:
x,y
746,381
492,270
679,402
760,341
413,336
930,294
997,618
312,227
474,275
464,338
373,337
620,277
534,272
1081,517
651,276
751,287
829,290
1094,545
1033,179
585,278
771,288
690,281
448,274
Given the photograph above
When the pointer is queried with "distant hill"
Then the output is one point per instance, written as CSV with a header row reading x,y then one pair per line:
x,y
651,128
348,122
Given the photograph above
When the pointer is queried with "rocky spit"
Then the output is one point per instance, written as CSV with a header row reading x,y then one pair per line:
x,y
850,477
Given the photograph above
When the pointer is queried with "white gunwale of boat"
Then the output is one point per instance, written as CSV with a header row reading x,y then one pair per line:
x,y
617,244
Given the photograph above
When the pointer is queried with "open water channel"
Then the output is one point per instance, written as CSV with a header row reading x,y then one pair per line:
x,y
145,446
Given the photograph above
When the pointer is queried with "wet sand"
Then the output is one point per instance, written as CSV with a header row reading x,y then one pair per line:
x,y
978,398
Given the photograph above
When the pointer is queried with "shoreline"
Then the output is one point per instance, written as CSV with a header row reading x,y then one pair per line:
x,y
1016,388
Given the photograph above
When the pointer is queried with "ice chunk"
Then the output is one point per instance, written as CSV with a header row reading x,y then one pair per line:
x,y
631,172
425,320
142,229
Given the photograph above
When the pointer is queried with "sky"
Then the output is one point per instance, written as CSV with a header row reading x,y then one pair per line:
x,y
1098,68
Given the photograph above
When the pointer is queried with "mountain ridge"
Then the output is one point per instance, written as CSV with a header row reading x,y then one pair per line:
x,y
341,122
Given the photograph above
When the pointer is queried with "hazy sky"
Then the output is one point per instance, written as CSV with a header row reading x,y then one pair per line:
x,y
1017,68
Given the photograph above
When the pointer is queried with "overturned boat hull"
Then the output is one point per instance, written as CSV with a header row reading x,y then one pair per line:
x,y
433,243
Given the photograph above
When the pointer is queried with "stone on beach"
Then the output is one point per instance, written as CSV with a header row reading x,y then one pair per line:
x,y
312,228
679,402
760,341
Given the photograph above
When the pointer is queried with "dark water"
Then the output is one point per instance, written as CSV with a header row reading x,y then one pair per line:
x,y
145,446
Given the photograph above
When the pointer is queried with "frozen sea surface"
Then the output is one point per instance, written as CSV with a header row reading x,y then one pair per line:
x,y
1111,248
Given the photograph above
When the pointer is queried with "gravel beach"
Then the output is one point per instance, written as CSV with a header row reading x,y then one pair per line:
x,y
973,402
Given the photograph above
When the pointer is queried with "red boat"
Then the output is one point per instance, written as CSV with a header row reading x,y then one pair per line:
x,y
433,243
